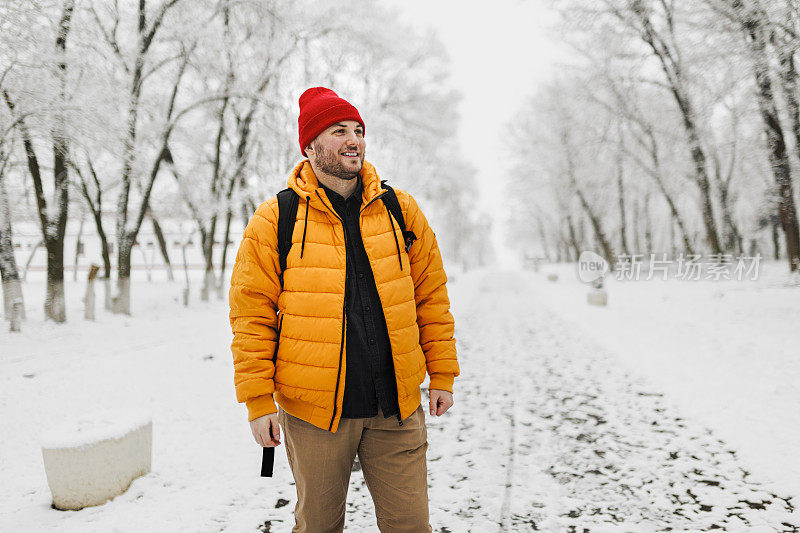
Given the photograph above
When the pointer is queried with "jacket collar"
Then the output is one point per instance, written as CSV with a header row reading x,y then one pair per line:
x,y
305,183
337,198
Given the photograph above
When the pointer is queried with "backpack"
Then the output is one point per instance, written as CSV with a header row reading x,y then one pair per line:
x,y
288,201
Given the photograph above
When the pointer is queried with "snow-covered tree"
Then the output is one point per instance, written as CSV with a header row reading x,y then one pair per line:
x,y
680,116
37,88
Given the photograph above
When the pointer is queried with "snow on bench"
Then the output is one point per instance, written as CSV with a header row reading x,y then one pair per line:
x,y
93,458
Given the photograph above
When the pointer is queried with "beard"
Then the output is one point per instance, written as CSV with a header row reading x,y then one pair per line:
x,y
330,163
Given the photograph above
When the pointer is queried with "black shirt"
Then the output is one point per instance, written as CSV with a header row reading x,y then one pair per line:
x,y
369,377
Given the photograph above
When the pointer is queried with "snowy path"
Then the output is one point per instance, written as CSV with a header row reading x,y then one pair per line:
x,y
550,436
547,434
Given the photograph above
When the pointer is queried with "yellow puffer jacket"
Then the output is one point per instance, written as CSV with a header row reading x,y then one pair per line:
x,y
305,371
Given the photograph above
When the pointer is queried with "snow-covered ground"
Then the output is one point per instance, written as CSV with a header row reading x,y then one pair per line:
x,y
675,406
725,352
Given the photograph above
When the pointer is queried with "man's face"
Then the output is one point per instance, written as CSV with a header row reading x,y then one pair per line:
x,y
339,150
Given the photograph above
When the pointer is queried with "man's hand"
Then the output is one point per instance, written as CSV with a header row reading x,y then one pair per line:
x,y
441,401
266,430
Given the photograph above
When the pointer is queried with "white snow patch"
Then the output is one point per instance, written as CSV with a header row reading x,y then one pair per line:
x,y
726,353
90,428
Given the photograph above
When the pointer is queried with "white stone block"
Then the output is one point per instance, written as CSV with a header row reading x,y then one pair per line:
x,y
552,277
92,459
597,297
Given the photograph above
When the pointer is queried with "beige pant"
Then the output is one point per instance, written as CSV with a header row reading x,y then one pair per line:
x,y
392,460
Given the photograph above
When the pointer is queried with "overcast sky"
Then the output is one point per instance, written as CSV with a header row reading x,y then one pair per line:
x,y
501,50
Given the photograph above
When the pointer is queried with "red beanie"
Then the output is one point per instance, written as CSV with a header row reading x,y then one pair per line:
x,y
319,108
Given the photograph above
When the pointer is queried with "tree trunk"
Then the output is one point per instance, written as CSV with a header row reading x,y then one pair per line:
x,y
776,144
674,75
126,235
673,247
162,244
78,246
657,175
733,240
224,260
701,178
52,230
54,304
675,215
248,209
637,233
581,234
121,301
753,247
543,238
126,238
623,228
776,242
187,286
12,292
778,156
788,77
594,219
648,229
12,285
103,246
599,234
96,207
208,256
789,85
573,241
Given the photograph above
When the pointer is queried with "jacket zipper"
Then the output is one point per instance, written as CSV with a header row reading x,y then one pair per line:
x,y
344,316
399,420
369,203
344,310
339,372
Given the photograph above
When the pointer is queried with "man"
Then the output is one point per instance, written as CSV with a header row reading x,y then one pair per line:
x,y
342,337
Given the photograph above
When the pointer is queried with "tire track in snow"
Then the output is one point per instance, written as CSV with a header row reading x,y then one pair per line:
x,y
504,509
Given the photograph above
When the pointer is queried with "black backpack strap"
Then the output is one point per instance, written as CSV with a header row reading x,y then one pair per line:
x,y
393,205
288,201
287,216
